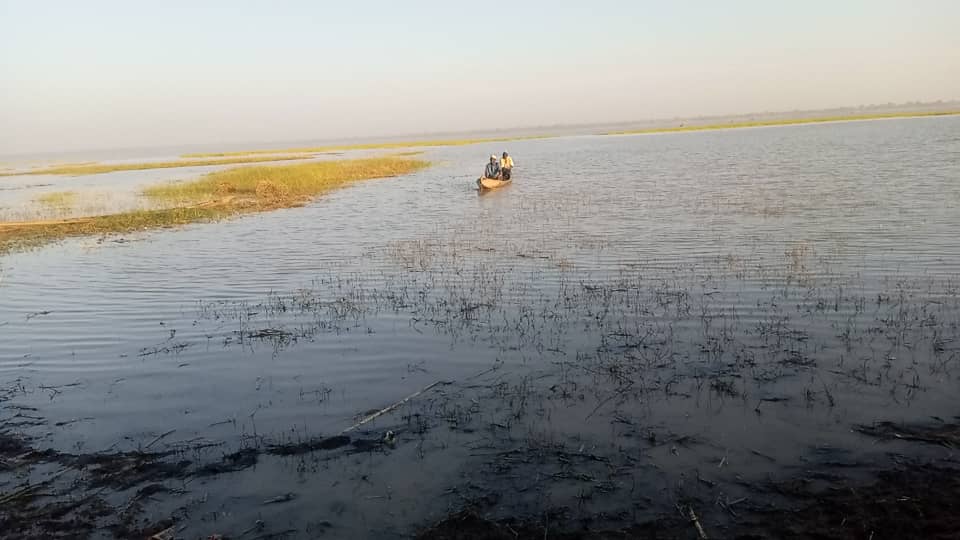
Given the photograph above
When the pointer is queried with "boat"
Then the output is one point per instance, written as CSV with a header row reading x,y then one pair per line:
x,y
491,183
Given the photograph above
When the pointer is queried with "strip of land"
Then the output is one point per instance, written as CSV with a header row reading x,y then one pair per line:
x,y
217,195
662,129
783,122
84,169
286,154
369,146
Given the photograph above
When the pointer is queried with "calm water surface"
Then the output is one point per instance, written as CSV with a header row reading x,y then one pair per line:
x,y
762,290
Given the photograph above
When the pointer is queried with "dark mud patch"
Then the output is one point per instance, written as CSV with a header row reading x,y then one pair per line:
x,y
916,502
45,493
322,443
943,434
471,525
919,501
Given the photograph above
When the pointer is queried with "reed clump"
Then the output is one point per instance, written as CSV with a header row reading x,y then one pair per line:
x,y
783,122
57,199
218,195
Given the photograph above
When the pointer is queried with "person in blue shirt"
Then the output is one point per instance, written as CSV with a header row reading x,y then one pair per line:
x,y
493,168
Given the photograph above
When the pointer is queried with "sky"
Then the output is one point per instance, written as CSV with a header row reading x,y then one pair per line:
x,y
117,74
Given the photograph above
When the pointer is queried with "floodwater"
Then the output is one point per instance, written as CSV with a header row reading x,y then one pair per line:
x,y
685,310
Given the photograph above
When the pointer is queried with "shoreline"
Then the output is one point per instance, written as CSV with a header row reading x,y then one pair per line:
x,y
662,129
369,146
200,159
784,122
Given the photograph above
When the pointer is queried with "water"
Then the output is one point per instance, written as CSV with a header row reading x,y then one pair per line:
x,y
758,291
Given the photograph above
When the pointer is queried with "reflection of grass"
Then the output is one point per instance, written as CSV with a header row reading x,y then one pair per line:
x,y
218,195
113,167
58,199
783,122
369,146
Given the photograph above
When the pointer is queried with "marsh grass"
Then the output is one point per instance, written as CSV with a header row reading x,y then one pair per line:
x,y
783,122
216,196
368,146
84,169
280,185
58,199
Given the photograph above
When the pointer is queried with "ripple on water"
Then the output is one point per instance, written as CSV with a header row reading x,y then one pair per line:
x,y
795,262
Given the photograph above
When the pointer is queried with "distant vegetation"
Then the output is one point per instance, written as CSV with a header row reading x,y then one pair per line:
x,y
216,196
782,122
369,146
83,168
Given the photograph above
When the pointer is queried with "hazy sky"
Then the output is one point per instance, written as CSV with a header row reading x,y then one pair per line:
x,y
89,74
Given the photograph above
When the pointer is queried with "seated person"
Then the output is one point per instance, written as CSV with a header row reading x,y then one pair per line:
x,y
493,168
506,166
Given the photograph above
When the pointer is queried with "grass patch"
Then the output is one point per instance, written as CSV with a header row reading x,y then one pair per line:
x,y
218,195
280,185
30,234
370,146
83,169
783,122
58,199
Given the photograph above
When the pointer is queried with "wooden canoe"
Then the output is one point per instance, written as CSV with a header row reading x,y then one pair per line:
x,y
491,183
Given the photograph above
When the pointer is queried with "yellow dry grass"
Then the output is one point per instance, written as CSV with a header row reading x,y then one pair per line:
x,y
57,199
215,196
288,184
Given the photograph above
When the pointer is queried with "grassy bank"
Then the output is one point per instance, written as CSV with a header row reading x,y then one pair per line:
x,y
284,185
782,122
93,168
370,146
215,196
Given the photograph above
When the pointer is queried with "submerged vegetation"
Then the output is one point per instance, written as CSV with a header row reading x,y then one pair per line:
x,y
215,196
783,122
369,146
608,403
94,168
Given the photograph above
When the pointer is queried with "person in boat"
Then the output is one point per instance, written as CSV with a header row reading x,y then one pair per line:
x,y
493,168
506,166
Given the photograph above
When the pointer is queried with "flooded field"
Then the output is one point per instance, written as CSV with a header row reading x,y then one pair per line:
x,y
694,330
